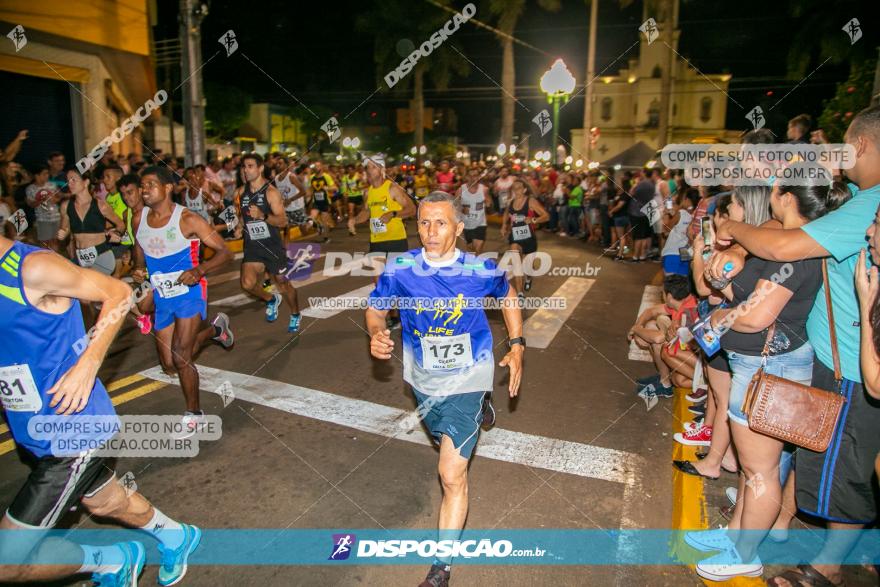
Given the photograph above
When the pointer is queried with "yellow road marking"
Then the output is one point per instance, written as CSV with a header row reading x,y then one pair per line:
x,y
120,383
689,501
137,392
7,446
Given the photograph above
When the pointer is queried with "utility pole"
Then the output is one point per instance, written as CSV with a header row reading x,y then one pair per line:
x,y
591,72
191,15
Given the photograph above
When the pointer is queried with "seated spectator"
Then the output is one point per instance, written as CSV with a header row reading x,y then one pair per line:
x,y
657,327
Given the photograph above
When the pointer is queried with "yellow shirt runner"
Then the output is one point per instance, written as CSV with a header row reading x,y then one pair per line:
x,y
380,202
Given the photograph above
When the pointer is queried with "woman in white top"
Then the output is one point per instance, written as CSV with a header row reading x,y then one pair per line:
x,y
475,199
677,219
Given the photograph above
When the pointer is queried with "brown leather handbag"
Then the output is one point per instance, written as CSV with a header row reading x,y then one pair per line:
x,y
790,411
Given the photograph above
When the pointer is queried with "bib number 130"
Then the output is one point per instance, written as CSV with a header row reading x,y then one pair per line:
x,y
447,352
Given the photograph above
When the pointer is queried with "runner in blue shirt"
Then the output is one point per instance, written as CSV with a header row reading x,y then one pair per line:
x,y
447,347
48,368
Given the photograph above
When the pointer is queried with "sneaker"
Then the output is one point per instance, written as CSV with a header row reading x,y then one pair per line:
x,y
127,576
352,233
699,409
626,251
293,325
731,492
226,338
189,424
728,565
709,540
145,323
392,323
648,380
527,284
693,425
174,562
488,412
664,390
698,396
561,233
272,308
522,299
267,284
438,576
699,437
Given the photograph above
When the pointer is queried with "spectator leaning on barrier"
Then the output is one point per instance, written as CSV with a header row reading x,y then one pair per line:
x,y
836,485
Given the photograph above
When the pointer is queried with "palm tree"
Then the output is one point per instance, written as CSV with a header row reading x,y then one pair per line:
x,y
391,27
817,35
509,13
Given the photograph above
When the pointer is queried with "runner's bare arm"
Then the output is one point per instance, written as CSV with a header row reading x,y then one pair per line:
x,y
538,208
513,321
381,344
111,216
409,209
50,280
194,226
278,217
64,229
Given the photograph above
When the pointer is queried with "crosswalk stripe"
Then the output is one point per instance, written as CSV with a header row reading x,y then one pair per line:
x,y
243,298
542,327
652,296
504,445
355,294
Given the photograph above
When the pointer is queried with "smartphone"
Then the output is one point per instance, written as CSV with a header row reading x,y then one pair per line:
x,y
706,225
669,203
684,253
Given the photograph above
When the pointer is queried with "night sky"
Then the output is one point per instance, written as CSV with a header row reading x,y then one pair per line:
x,y
312,50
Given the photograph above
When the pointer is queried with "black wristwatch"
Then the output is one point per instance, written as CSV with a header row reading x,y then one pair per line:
x,y
517,340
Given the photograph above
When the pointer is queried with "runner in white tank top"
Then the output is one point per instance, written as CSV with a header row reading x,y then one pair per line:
x,y
474,199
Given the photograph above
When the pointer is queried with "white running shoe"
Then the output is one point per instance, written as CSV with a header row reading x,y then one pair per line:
x,y
728,565
709,540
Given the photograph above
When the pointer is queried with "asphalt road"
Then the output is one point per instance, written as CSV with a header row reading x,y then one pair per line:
x,y
297,452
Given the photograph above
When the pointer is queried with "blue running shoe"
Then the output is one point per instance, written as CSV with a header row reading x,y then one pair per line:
x,y
272,308
127,576
293,325
174,562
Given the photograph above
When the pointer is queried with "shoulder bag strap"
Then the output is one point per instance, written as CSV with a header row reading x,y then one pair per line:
x,y
838,377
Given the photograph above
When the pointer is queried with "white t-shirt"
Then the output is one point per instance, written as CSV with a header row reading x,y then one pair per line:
x,y
288,189
502,189
678,235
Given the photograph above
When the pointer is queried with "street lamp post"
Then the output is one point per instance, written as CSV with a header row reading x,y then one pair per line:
x,y
558,83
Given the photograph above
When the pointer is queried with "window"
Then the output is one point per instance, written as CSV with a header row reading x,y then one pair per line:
x,y
654,114
706,109
657,72
606,109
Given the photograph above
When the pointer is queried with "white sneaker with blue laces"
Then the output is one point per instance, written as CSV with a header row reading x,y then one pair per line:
x,y
174,562
127,576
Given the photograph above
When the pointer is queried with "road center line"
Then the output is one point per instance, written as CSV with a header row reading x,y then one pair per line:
x,y
583,460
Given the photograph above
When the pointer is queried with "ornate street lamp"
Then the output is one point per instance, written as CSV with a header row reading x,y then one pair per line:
x,y
558,83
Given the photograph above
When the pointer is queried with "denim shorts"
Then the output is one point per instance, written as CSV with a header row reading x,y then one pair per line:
x,y
796,366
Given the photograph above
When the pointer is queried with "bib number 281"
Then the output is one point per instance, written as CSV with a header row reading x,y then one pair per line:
x,y
18,392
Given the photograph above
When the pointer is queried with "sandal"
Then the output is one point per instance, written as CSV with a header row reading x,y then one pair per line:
x,y
689,468
804,576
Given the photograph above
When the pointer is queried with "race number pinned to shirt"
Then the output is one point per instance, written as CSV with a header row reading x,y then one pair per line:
x,y
377,226
230,217
441,353
167,286
18,391
19,221
320,196
521,233
87,257
652,211
258,230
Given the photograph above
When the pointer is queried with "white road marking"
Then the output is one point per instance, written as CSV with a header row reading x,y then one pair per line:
x,y
542,327
652,296
583,460
355,294
243,298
